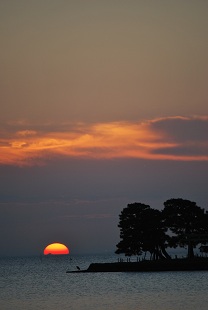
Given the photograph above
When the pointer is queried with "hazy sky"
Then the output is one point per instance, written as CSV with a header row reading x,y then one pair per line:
x,y
103,103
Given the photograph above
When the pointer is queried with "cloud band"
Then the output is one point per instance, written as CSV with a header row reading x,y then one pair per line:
x,y
170,138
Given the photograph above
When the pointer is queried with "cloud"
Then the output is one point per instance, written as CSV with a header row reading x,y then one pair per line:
x,y
170,138
183,129
25,133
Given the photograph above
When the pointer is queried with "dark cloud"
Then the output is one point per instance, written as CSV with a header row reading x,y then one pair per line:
x,y
183,129
188,136
185,150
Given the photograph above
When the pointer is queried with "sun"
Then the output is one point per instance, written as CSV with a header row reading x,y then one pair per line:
x,y
56,249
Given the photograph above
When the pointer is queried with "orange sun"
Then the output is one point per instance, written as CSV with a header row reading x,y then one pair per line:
x,y
56,249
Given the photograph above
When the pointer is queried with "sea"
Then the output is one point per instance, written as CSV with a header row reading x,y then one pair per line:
x,y
41,282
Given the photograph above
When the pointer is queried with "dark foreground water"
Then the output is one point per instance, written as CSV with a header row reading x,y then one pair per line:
x,y
42,283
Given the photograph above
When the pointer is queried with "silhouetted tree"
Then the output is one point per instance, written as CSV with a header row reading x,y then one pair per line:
x,y
142,230
187,222
155,238
131,236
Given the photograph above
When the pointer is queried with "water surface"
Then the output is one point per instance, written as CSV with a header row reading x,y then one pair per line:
x,y
42,283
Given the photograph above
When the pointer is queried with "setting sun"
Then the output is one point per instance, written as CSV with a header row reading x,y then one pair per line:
x,y
56,249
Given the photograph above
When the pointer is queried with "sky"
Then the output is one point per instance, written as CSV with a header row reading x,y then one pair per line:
x,y
103,103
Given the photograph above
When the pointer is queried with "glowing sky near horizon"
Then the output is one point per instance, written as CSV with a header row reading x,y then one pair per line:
x,y
102,103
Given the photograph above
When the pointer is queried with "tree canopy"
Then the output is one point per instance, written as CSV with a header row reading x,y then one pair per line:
x,y
187,222
143,229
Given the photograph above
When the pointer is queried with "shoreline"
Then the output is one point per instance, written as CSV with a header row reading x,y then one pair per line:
x,y
195,264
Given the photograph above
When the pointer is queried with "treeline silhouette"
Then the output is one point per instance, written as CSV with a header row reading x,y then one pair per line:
x,y
181,223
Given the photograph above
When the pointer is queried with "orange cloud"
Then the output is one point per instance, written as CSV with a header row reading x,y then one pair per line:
x,y
169,138
25,133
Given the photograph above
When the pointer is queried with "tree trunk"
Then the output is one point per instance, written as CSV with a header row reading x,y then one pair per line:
x,y
158,255
163,250
190,250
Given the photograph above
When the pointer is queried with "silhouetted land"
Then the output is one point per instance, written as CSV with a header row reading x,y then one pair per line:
x,y
150,266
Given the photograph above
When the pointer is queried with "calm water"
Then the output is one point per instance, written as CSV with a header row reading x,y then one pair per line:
x,y
34,283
